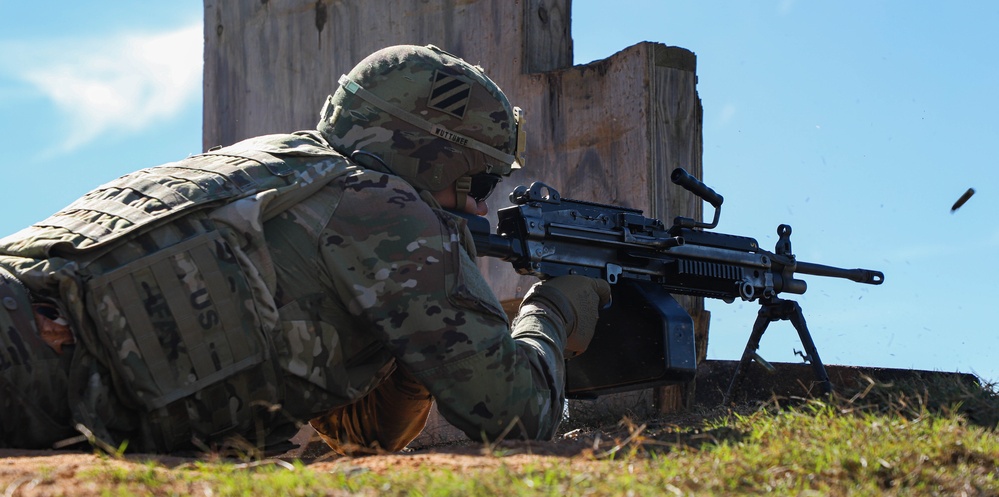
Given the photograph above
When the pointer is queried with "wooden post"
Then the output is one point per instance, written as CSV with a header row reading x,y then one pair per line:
x,y
609,131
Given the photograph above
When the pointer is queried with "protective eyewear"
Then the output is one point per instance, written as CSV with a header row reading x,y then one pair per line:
x,y
483,185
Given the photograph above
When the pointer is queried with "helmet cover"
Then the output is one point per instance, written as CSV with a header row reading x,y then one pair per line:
x,y
426,115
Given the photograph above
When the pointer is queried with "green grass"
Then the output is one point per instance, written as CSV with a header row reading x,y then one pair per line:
x,y
887,440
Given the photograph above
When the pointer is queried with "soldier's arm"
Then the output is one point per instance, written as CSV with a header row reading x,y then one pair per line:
x,y
403,270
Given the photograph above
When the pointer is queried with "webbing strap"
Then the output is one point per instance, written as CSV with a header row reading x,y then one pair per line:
x,y
96,231
178,393
221,298
152,188
276,166
434,129
184,315
142,330
90,230
131,214
227,173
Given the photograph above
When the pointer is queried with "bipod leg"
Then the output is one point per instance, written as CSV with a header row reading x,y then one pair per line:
x,y
792,311
779,310
763,319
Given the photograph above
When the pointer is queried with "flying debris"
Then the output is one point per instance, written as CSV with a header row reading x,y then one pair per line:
x,y
964,198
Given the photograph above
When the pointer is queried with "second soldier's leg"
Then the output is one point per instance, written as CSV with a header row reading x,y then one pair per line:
x,y
34,410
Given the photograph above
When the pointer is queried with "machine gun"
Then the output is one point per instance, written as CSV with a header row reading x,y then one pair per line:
x,y
646,338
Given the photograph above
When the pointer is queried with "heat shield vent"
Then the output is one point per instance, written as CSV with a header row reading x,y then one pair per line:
x,y
709,270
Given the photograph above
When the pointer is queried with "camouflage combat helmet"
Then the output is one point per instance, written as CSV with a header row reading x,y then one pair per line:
x,y
428,117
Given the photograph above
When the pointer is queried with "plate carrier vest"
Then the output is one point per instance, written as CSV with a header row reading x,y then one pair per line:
x,y
178,283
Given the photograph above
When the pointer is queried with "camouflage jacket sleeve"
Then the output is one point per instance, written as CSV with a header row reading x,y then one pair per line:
x,y
402,269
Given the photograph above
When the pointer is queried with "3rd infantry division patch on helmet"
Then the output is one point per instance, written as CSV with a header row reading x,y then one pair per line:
x,y
428,116
449,94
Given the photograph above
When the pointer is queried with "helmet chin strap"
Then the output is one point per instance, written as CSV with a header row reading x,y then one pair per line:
x,y
462,187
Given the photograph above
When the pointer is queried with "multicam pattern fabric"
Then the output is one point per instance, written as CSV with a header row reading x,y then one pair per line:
x,y
436,87
176,289
368,269
332,286
30,370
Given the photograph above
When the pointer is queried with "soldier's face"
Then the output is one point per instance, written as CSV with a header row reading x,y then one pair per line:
x,y
448,200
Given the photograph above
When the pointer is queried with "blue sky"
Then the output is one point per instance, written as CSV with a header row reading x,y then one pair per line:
x,y
858,123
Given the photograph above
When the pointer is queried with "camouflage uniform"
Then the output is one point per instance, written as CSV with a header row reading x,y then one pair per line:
x,y
294,300
392,280
241,292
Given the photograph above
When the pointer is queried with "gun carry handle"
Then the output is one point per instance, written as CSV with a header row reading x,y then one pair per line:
x,y
681,177
693,185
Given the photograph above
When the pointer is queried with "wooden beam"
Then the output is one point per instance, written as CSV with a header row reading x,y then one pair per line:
x,y
270,64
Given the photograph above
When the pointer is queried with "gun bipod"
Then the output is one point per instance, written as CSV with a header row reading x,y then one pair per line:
x,y
777,309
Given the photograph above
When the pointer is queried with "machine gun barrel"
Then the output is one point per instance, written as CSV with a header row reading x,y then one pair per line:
x,y
867,276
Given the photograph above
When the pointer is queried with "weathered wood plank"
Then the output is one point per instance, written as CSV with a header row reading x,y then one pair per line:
x,y
547,41
270,64
675,138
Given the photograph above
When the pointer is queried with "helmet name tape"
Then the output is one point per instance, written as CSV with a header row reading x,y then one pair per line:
x,y
423,124
450,136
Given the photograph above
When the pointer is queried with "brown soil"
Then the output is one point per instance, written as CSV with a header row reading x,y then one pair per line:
x,y
38,473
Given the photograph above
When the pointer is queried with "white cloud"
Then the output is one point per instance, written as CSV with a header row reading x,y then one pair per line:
x,y
123,83
785,6
726,115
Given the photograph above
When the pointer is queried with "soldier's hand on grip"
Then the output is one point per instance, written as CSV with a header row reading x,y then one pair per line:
x,y
578,299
